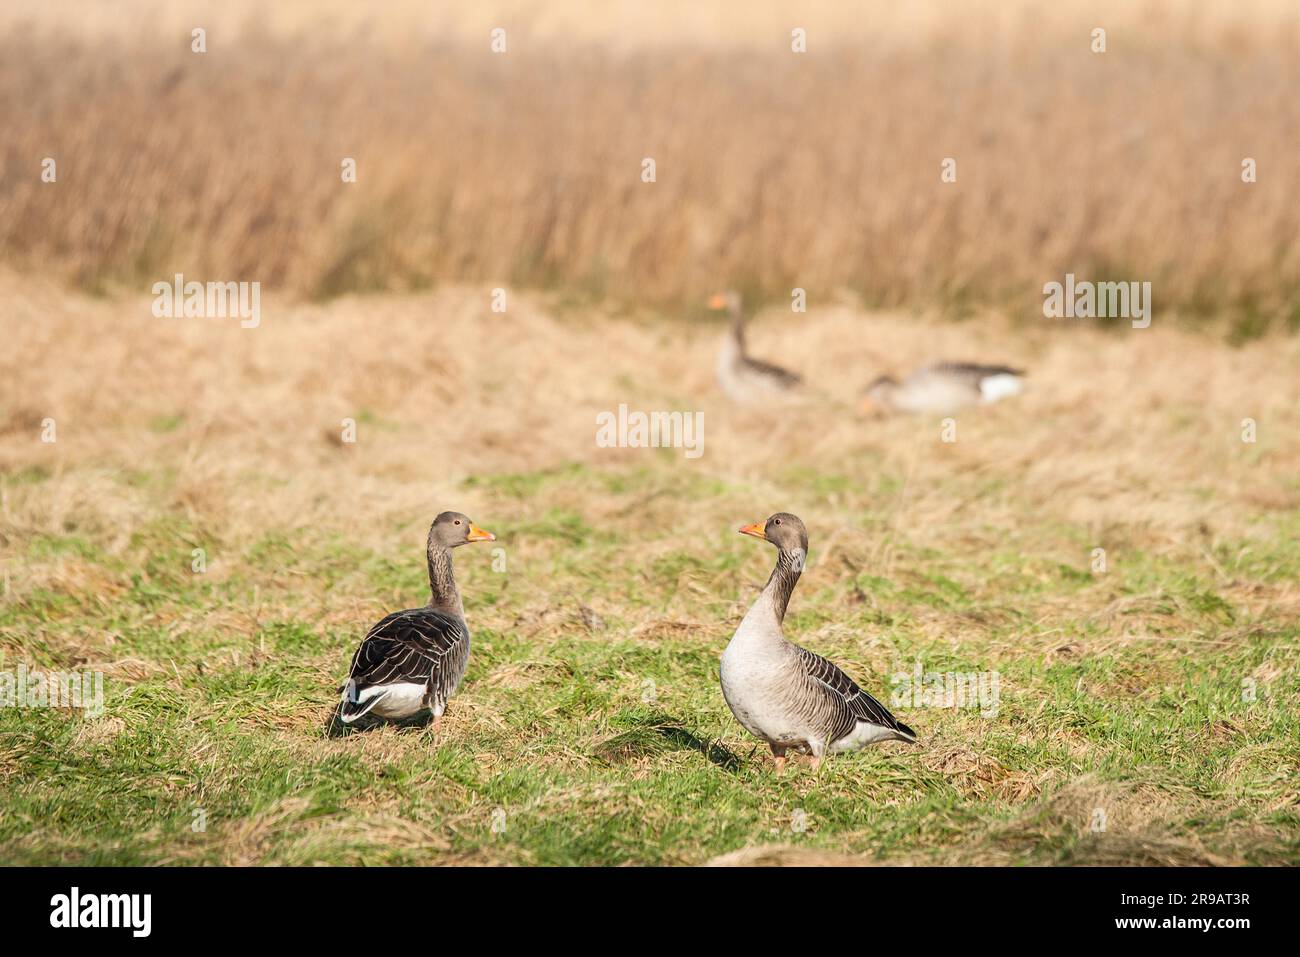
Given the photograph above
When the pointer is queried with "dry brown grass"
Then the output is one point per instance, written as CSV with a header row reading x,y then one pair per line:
x,y
1135,834
1133,437
774,170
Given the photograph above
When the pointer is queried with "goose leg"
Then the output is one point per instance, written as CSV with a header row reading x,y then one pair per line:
x,y
778,758
816,749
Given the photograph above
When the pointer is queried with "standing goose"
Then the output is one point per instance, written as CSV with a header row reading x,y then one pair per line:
x,y
743,378
944,387
413,660
784,694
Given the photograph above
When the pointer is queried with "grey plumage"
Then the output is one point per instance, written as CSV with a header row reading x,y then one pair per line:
x,y
413,660
421,646
787,695
945,387
742,377
848,704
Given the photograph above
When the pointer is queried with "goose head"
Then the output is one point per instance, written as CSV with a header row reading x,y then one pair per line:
x,y
729,300
879,395
451,529
787,532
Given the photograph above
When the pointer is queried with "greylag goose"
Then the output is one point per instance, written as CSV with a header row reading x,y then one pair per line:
x,y
786,695
743,378
413,660
943,387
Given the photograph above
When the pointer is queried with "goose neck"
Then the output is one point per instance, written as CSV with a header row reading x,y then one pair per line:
x,y
737,333
444,596
789,566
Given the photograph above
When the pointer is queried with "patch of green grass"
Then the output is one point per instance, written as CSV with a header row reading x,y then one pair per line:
x,y
1163,691
166,423
522,485
27,475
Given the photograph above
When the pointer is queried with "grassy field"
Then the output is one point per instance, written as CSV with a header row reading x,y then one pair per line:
x,y
591,728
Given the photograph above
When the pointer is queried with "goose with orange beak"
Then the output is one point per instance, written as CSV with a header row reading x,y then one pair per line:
x,y
743,378
412,662
788,696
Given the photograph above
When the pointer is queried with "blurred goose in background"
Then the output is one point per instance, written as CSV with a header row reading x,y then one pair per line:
x,y
413,660
784,694
943,387
743,378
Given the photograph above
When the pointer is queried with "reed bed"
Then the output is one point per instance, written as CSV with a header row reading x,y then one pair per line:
x,y
773,169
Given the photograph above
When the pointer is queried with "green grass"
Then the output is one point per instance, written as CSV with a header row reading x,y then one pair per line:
x,y
578,741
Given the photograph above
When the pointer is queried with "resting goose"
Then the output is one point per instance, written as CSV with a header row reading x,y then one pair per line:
x,y
743,378
784,694
944,387
413,660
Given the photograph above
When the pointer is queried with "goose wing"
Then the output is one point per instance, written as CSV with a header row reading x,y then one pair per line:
x,y
417,646
850,702
949,385
987,381
972,372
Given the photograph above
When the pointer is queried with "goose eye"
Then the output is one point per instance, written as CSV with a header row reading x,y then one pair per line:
x,y
778,521
457,521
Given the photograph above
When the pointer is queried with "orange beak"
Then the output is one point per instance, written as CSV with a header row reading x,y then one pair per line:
x,y
477,534
717,301
755,531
